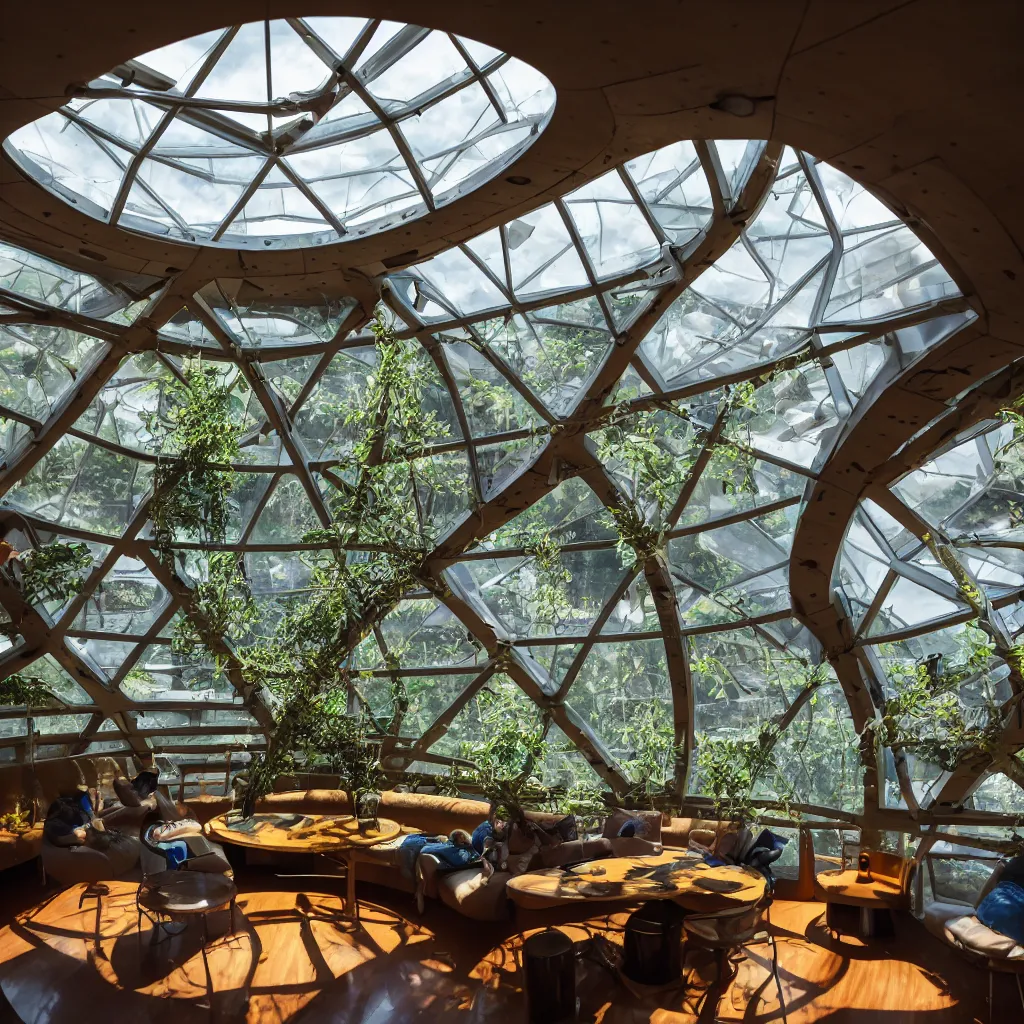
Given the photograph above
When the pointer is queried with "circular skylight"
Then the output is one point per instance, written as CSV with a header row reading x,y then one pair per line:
x,y
286,133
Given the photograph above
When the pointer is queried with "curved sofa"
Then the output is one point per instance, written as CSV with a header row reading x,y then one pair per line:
x,y
464,890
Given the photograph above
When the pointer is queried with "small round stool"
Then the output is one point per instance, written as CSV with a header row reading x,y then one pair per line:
x,y
549,968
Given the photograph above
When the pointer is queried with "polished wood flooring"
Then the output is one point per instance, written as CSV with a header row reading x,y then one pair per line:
x,y
290,956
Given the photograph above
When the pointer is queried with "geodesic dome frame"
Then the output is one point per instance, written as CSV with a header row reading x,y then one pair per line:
x,y
840,371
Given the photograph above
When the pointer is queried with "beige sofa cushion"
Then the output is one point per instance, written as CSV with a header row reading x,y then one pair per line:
x,y
969,934
937,915
473,896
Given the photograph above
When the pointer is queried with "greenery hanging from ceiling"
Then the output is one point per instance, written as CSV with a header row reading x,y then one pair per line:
x,y
18,689
381,533
192,485
944,710
54,572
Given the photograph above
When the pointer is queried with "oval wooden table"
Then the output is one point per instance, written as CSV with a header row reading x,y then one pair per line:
x,y
671,875
337,836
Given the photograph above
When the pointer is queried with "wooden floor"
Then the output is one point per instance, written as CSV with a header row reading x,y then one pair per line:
x,y
289,956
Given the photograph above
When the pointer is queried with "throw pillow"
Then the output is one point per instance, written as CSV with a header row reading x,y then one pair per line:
x,y
633,824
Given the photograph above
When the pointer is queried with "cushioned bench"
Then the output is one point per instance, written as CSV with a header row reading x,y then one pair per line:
x,y
462,890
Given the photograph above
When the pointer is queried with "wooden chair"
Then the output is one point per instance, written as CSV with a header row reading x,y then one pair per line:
x,y
887,890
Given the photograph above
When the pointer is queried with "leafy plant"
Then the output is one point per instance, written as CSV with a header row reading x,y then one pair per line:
x,y
729,770
651,737
55,572
19,689
927,714
16,821
192,488
507,757
380,534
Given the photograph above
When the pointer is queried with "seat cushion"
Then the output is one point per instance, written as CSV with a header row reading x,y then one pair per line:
x,y
70,864
474,896
970,935
937,915
843,887
580,850
677,833
623,846
649,824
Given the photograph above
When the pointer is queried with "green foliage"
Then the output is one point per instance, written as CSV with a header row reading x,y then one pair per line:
x,y
650,735
19,689
928,715
380,534
507,755
729,770
222,609
16,821
55,572
192,488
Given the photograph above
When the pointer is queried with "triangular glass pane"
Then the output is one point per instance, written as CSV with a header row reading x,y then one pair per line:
x,y
501,697
121,412
491,404
555,350
107,655
545,258
54,677
287,516
907,605
278,209
127,600
793,417
499,463
162,675
39,365
732,483
572,512
78,484
554,660
885,273
635,611
427,697
532,600
611,226
427,634
241,73
675,189
288,376
320,422
623,693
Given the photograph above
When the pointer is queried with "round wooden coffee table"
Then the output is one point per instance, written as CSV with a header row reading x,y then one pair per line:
x,y
337,836
671,875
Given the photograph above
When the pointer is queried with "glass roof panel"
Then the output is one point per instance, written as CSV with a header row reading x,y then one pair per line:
x,y
261,134
575,451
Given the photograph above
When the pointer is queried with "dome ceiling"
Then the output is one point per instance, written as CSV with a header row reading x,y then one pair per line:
x,y
284,133
631,311
792,348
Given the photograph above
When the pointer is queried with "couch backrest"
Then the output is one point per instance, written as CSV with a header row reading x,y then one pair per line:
x,y
435,814
677,834
44,781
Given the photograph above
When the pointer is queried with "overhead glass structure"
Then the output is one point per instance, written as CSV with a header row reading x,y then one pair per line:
x,y
288,133
628,394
